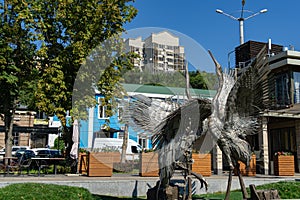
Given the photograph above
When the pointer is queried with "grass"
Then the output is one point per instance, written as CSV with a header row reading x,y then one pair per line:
x,y
34,191
101,197
234,195
286,190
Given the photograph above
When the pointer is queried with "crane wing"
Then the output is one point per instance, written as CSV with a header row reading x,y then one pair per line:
x,y
245,101
144,113
182,125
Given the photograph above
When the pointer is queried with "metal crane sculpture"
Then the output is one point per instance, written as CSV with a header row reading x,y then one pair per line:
x,y
176,127
232,119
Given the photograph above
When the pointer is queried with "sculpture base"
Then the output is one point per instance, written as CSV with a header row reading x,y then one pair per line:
x,y
170,193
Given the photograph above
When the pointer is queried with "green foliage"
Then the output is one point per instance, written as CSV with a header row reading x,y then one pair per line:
x,y
104,197
28,191
198,80
283,153
44,43
59,144
203,80
69,33
17,52
146,77
106,149
234,195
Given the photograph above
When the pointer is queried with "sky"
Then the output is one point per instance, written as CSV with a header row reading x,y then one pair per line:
x,y
198,21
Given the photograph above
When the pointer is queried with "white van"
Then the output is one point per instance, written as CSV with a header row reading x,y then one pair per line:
x,y
108,144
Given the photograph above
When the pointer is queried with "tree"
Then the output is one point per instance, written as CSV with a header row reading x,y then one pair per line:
x,y
161,78
197,80
203,80
50,40
17,67
70,31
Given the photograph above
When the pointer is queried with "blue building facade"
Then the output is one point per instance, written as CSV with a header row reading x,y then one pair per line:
x,y
94,126
97,121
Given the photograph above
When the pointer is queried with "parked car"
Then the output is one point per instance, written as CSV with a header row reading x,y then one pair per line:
x,y
14,150
2,153
49,153
36,150
55,153
25,154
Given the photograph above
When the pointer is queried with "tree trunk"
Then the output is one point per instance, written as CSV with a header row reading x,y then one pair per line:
x,y
8,123
68,133
125,143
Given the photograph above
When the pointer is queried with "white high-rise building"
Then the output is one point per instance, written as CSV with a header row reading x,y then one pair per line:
x,y
136,46
158,52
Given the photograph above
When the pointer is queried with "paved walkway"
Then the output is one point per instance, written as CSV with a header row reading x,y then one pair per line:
x,y
134,185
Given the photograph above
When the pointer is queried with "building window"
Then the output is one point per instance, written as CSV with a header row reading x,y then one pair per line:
x,y
143,142
296,76
282,89
169,60
101,109
16,139
169,47
282,139
120,134
170,54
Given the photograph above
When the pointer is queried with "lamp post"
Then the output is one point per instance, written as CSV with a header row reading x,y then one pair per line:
x,y
241,19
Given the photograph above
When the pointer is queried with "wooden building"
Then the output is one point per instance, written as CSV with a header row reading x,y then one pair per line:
x,y
280,117
28,131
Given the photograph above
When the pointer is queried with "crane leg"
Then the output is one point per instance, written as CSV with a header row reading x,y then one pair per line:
x,y
227,197
242,184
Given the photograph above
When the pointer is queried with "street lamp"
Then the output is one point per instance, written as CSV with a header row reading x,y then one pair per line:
x,y
241,19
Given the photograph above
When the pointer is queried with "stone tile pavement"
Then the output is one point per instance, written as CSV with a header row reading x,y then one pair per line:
x,y
134,185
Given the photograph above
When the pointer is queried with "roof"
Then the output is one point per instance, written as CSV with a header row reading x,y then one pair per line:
x,y
165,91
292,112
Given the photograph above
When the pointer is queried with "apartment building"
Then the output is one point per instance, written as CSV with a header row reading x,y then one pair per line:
x,y
158,52
136,46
